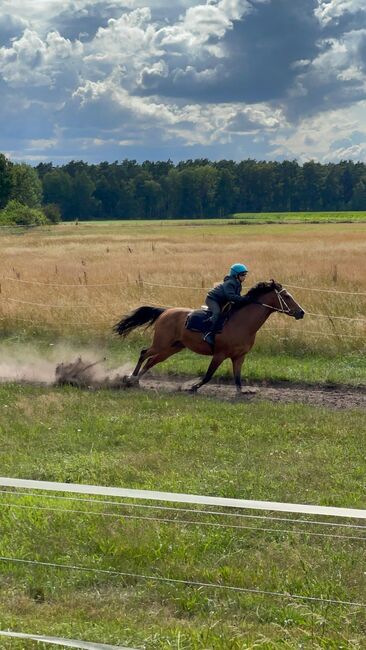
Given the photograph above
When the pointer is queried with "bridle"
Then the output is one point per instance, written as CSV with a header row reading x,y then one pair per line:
x,y
283,306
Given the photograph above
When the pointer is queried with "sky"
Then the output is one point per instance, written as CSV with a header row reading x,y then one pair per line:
x,y
105,80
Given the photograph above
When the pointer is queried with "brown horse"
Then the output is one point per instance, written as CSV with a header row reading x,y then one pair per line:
x,y
235,341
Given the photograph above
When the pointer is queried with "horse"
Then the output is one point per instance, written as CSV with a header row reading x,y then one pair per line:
x,y
235,341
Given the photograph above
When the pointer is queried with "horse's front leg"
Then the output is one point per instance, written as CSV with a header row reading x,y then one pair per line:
x,y
237,366
216,361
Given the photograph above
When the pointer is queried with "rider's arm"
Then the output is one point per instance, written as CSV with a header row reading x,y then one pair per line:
x,y
229,289
245,300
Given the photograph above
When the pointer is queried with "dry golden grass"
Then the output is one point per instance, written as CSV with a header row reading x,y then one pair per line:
x,y
125,257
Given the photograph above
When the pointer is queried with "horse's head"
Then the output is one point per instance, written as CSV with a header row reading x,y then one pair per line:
x,y
274,296
279,299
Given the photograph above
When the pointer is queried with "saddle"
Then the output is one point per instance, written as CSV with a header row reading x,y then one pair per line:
x,y
199,320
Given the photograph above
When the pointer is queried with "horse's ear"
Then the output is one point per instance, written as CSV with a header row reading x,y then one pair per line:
x,y
276,285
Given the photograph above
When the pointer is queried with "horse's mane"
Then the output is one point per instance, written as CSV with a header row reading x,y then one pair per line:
x,y
258,290
263,287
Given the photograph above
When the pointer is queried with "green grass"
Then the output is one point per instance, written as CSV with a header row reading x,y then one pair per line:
x,y
185,444
301,217
262,366
245,217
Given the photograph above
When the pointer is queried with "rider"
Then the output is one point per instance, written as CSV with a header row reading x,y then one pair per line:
x,y
227,292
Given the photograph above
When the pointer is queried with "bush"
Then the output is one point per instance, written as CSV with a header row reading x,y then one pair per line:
x,y
52,212
16,213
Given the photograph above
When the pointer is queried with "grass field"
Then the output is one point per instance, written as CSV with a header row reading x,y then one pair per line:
x,y
77,280
61,290
261,451
301,217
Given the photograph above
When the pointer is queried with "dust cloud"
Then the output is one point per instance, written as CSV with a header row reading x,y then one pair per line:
x,y
60,365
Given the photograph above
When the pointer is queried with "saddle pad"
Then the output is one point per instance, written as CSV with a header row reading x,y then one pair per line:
x,y
198,321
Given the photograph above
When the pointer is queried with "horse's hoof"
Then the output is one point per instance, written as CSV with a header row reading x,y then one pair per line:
x,y
193,389
130,381
247,392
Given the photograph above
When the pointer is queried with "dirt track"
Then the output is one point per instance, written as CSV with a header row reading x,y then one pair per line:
x,y
340,397
88,375
81,373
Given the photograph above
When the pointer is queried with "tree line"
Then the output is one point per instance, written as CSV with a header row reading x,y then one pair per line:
x,y
190,189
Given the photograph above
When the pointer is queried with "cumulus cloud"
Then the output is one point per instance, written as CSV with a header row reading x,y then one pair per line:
x,y
337,134
107,103
128,41
36,62
336,77
202,23
249,48
10,27
329,10
255,119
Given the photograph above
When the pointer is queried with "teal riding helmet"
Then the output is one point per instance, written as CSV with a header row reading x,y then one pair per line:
x,y
236,269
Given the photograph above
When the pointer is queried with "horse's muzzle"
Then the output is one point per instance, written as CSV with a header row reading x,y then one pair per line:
x,y
299,314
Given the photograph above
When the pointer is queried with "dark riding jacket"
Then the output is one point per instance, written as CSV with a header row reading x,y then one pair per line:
x,y
228,291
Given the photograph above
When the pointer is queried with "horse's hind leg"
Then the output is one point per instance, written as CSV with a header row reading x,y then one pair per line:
x,y
143,356
160,356
215,363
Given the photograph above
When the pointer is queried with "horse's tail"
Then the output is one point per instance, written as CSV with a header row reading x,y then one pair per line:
x,y
145,315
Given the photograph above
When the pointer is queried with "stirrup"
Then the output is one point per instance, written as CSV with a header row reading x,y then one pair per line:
x,y
209,338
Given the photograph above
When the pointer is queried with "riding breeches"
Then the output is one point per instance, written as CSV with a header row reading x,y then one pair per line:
x,y
215,309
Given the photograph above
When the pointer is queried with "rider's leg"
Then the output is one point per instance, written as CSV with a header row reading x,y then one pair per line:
x,y
215,309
